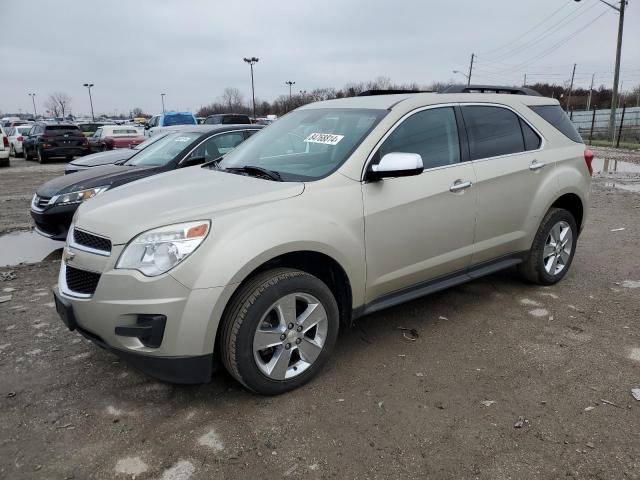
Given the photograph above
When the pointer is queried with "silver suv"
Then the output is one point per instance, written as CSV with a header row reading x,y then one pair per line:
x,y
339,209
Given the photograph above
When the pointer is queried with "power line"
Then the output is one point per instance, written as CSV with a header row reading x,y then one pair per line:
x,y
544,35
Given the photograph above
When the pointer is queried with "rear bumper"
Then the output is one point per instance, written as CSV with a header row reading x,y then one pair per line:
x,y
65,151
54,222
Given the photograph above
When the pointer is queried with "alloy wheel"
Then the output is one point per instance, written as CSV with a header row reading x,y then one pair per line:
x,y
290,336
557,248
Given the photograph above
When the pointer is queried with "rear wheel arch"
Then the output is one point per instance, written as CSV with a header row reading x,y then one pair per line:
x,y
573,204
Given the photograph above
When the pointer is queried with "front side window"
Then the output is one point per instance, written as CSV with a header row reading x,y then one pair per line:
x,y
217,146
306,144
98,133
432,134
492,131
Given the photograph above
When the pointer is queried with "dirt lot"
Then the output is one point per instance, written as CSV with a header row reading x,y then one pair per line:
x,y
492,355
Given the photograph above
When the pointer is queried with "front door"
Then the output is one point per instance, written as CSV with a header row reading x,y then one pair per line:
x,y
421,227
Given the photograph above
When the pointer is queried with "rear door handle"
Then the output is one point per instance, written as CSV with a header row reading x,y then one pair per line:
x,y
536,165
460,185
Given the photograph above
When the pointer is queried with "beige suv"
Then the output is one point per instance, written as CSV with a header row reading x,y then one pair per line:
x,y
339,209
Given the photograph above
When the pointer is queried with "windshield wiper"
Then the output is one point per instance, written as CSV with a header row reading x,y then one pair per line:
x,y
272,174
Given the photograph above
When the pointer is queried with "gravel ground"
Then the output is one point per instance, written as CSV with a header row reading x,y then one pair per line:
x,y
506,380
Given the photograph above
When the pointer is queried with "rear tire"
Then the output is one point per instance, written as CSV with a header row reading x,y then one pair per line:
x,y
279,330
25,153
553,248
41,157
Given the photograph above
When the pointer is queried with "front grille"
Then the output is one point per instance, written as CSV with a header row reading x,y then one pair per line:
x,y
91,241
41,202
81,281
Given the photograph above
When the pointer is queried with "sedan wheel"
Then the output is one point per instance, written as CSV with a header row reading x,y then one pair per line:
x,y
557,248
41,158
279,330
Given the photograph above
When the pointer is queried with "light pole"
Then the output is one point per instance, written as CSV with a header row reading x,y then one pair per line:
x,y
252,61
291,84
616,74
162,98
89,85
462,73
33,99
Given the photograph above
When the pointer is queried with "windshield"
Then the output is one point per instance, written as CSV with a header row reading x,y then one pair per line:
x,y
178,119
306,144
164,150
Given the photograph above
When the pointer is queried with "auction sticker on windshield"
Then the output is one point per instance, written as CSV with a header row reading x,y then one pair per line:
x,y
324,138
182,139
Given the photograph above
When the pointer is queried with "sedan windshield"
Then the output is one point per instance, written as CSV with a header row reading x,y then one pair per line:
x,y
164,150
305,144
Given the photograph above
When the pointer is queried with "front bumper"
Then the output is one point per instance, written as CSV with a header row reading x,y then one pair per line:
x,y
122,297
54,222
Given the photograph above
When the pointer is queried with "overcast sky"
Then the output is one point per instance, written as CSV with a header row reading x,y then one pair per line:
x,y
133,50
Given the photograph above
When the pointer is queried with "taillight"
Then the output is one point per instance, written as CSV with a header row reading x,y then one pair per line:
x,y
19,139
5,142
588,158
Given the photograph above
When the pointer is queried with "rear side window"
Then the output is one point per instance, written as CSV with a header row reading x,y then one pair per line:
x,y
492,131
531,139
433,134
213,120
556,117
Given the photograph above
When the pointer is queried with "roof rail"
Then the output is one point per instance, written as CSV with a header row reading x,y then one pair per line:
x,y
490,89
369,93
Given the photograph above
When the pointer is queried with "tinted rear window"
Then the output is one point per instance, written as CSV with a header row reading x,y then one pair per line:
x,y
556,117
235,119
179,119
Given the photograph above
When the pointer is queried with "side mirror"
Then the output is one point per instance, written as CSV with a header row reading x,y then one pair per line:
x,y
191,161
146,126
396,164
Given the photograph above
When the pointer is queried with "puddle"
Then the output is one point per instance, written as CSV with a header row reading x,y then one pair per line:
x,y
623,167
622,186
28,247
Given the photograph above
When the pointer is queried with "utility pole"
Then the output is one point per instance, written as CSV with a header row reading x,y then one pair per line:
x,y
89,85
470,69
573,74
33,99
524,82
616,74
593,76
252,61
162,98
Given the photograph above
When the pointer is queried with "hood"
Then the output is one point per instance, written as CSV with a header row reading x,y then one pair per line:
x,y
105,158
182,195
112,175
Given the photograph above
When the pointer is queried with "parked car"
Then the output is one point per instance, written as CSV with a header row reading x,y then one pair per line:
x,y
227,119
4,148
339,209
168,119
109,157
48,140
89,128
56,201
109,137
16,137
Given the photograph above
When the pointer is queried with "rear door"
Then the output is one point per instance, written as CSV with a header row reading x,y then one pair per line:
x,y
505,154
421,227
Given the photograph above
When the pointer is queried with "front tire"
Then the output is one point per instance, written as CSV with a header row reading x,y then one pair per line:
x,y
279,330
553,248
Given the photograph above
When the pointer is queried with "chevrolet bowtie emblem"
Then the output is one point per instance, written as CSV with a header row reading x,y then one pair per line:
x,y
68,255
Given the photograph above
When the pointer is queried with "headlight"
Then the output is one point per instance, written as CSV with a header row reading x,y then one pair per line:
x,y
158,251
80,196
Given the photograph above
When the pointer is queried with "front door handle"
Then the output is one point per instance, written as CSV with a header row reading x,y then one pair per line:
x,y
460,185
536,165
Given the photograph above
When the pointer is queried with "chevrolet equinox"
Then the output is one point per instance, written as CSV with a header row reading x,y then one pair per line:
x,y
339,209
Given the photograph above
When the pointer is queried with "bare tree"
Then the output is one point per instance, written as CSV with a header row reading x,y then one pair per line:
x,y
58,103
232,99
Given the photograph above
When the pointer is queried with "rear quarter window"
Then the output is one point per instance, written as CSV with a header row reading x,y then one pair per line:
x,y
556,117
